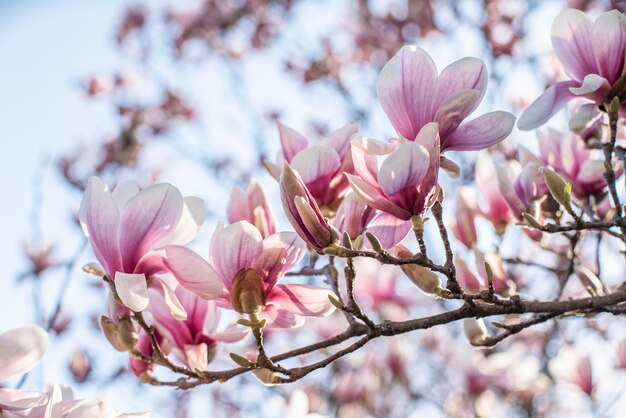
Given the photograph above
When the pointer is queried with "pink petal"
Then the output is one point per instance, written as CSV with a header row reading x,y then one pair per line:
x,y
301,299
454,109
572,43
231,334
339,140
172,329
403,169
124,191
365,163
466,73
508,192
388,229
17,400
609,43
407,87
233,248
546,105
316,166
189,269
100,219
189,224
281,252
132,290
594,88
146,219
292,142
20,350
197,356
376,199
482,132
278,318
173,305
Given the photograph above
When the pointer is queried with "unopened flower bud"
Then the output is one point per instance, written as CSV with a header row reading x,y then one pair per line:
x,y
558,187
425,280
127,333
111,332
475,331
247,293
266,376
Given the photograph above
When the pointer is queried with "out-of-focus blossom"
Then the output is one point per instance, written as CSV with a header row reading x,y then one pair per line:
x,y
303,212
501,283
569,157
573,368
80,366
592,55
20,350
406,182
496,208
137,235
355,217
413,95
41,259
469,281
250,267
61,404
193,341
321,166
251,205
298,406
426,280
464,228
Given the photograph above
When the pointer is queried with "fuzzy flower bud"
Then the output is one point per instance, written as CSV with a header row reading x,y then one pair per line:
x,y
247,293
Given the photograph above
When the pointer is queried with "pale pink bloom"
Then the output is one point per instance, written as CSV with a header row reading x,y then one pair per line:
x,y
501,283
144,346
496,209
140,234
469,281
464,228
592,55
61,404
522,188
355,217
568,156
321,165
303,213
621,354
20,350
193,341
571,367
412,95
406,182
251,205
298,406
240,246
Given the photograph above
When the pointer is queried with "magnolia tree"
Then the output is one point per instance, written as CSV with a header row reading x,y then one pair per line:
x,y
382,245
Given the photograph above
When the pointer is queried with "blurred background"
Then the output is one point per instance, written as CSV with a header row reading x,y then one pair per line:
x,y
189,92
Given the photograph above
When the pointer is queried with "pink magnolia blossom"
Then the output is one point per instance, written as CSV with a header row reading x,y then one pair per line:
x,y
138,235
522,188
569,366
412,95
406,182
251,205
303,212
194,340
239,249
464,228
20,350
61,404
592,55
355,217
568,156
321,166
495,209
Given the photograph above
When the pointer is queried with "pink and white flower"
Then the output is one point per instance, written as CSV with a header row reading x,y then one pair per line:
x,y
139,235
238,252
412,95
495,209
20,350
406,182
592,55
251,205
321,165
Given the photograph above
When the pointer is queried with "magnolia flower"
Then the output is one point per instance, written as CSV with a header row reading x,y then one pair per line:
x,y
355,217
571,367
194,340
20,350
592,55
303,212
250,267
61,404
568,156
495,208
464,228
251,205
405,184
412,94
321,165
139,235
